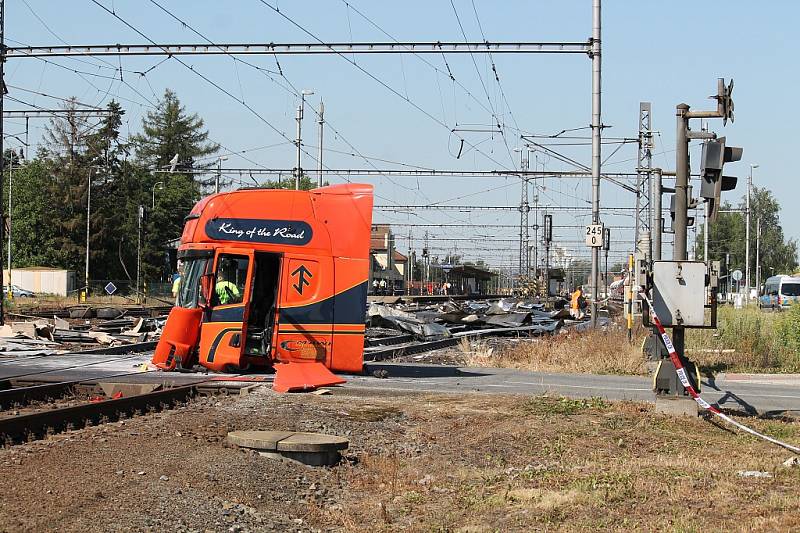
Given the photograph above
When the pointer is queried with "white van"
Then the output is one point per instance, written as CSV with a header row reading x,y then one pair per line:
x,y
779,292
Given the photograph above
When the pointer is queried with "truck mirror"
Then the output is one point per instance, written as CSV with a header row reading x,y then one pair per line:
x,y
206,289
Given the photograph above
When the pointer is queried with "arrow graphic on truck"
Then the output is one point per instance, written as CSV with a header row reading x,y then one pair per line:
x,y
302,274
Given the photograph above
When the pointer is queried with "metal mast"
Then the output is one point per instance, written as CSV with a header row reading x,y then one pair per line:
x,y
2,147
524,209
644,181
596,126
321,123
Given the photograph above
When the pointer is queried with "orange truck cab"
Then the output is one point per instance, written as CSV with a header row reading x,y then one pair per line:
x,y
272,276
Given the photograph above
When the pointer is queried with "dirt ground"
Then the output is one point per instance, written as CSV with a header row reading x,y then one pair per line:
x,y
416,462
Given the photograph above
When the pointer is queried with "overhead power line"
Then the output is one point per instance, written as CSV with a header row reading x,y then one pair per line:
x,y
271,49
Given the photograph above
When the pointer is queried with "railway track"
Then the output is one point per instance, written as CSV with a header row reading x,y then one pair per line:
x,y
45,419
31,409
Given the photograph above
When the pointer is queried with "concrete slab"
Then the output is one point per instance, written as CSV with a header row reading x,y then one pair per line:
x,y
128,389
312,442
676,406
258,440
313,449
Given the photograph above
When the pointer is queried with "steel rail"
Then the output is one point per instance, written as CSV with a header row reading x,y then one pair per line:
x,y
35,425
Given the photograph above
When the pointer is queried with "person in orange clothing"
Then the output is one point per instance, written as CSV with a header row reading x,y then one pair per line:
x,y
575,307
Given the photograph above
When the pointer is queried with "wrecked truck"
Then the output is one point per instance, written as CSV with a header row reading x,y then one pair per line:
x,y
272,279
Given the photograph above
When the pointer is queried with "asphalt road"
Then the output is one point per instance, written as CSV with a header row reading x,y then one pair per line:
x,y
753,394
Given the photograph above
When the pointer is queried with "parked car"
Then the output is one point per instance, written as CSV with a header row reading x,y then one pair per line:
x,y
779,292
18,292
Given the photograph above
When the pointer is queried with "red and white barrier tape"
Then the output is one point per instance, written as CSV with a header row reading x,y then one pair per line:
x,y
681,371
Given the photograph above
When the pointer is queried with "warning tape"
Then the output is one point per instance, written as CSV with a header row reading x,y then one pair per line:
x,y
681,371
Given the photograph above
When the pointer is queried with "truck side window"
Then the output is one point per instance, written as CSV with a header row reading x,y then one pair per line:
x,y
189,282
231,278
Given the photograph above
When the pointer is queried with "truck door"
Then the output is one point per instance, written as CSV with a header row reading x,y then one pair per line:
x,y
305,315
222,336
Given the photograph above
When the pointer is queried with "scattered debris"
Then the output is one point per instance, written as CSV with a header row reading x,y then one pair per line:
x,y
754,473
416,327
42,337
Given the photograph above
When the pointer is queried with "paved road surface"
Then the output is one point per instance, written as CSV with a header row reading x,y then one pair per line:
x,y
760,394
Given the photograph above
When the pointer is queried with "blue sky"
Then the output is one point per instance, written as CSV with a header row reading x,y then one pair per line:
x,y
663,52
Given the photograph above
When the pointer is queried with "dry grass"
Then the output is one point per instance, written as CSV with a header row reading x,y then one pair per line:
x,y
536,464
594,351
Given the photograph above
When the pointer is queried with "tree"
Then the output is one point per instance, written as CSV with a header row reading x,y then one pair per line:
x,y
32,228
727,237
66,154
168,131
306,183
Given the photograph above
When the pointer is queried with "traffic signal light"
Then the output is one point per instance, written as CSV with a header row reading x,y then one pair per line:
x,y
548,228
689,218
714,156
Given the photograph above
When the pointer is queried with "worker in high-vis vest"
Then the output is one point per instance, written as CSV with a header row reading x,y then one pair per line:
x,y
227,292
575,305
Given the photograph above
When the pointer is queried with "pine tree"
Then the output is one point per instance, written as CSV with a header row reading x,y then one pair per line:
x,y
168,131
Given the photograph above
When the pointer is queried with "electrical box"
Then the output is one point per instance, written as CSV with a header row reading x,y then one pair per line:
x,y
679,292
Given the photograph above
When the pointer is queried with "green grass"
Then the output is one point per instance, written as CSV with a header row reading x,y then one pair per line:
x,y
761,341
547,405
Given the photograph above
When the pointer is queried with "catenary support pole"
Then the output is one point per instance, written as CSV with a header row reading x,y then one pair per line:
x,y
2,146
321,123
9,291
298,143
757,284
139,257
657,223
88,226
596,126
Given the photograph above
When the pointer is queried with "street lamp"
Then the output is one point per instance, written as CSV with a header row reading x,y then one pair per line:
x,y
298,142
747,232
10,176
160,185
88,226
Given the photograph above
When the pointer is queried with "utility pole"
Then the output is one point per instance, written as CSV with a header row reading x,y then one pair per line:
x,y
758,256
535,226
548,238
139,256
10,176
596,127
2,146
88,225
524,209
606,248
657,220
220,159
426,262
747,234
298,171
321,123
644,191
410,262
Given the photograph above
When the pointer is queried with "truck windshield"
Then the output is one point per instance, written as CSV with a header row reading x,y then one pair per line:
x,y
790,289
189,292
